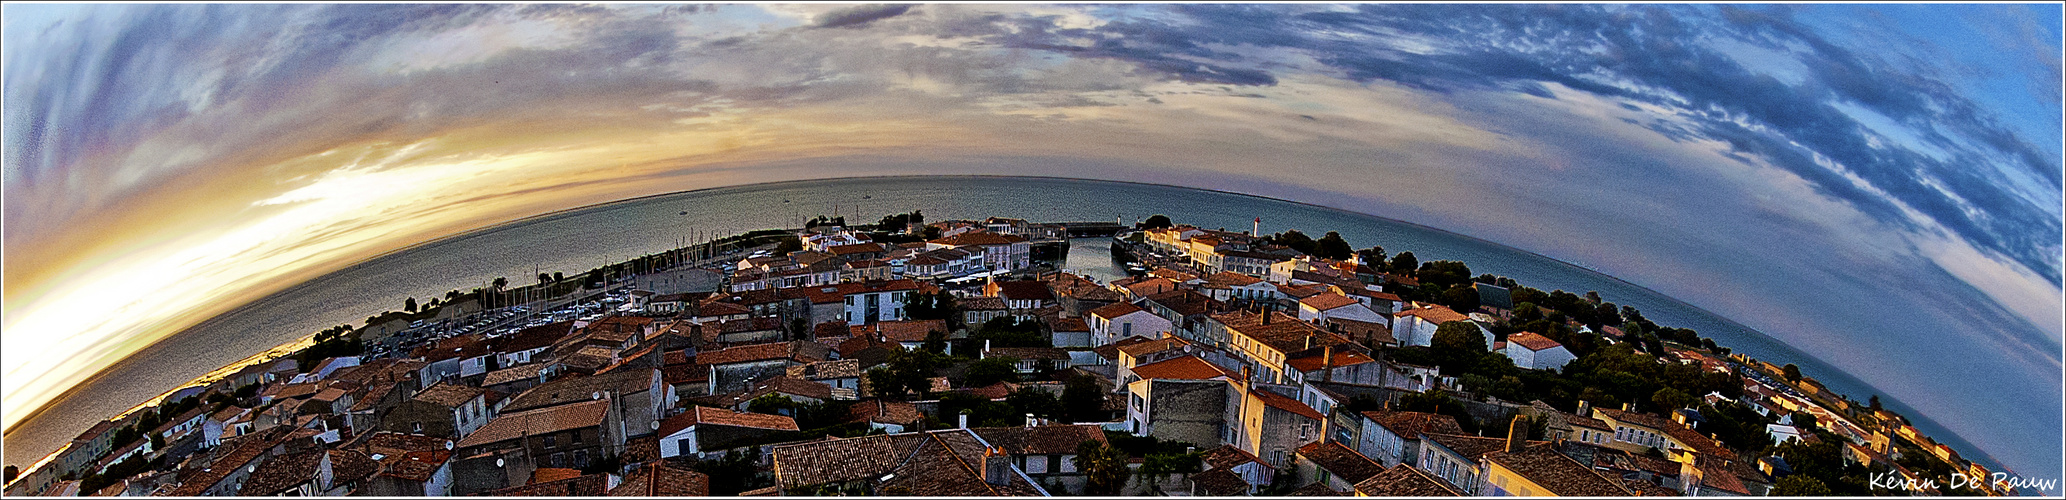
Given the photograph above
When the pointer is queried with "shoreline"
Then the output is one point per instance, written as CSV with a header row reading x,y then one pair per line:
x,y
289,347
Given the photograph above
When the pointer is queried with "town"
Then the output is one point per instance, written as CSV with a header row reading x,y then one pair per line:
x,y
959,358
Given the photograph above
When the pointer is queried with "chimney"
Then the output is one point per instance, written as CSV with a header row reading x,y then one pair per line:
x,y
1585,408
1266,318
1627,406
964,420
1244,375
996,468
1327,363
1517,434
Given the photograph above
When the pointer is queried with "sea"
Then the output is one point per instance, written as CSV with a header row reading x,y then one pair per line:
x,y
580,239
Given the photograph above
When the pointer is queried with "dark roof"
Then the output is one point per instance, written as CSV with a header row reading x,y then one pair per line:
x,y
1494,296
1041,440
1111,351
1285,333
1558,473
1472,447
1411,424
350,465
1340,460
1220,483
592,485
581,388
417,466
447,394
1186,302
704,415
934,463
1024,290
980,304
1316,489
845,368
1642,419
281,472
540,421
532,338
1227,457
1405,481
888,412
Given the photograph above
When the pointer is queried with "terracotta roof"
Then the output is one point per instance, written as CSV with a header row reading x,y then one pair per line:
x,y
395,443
1150,286
1531,340
853,346
1114,311
698,415
1068,325
1183,368
1472,447
888,412
1281,402
549,474
532,338
1342,357
1700,443
447,394
281,472
902,331
1220,483
348,466
1434,314
1341,461
1405,481
800,350
1284,333
1228,456
1225,279
592,485
1146,347
1558,473
1329,301
417,466
240,451
1648,489
1041,440
540,421
854,248
1411,424
1587,422
512,374
1111,351
661,480
992,392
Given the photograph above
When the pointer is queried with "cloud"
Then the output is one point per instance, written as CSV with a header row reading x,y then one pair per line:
x,y
860,16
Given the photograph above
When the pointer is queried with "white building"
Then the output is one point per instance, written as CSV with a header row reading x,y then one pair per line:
x,y
1533,351
1118,321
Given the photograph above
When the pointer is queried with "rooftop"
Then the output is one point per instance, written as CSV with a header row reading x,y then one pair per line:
x,y
1041,440
1341,461
1405,481
1558,473
540,421
700,415
1183,368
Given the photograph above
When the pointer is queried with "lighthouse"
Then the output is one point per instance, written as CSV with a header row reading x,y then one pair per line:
x,y
1256,230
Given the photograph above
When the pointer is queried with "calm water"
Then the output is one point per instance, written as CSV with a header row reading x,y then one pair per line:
x,y
579,240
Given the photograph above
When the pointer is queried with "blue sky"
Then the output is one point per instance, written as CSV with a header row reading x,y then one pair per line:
x,y
1887,199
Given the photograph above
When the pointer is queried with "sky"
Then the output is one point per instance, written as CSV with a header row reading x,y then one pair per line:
x,y
1878,185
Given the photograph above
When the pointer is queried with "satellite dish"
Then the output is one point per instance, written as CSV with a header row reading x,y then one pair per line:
x,y
498,462
655,424
595,395
448,445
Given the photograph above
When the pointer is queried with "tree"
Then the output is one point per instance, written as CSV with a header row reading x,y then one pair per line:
x,y
558,277
1800,485
935,342
1104,468
905,372
1671,399
1405,263
1874,403
1373,256
1039,403
544,279
1157,221
991,370
1296,240
1460,297
788,244
12,472
1791,372
409,304
1332,246
1084,399
1457,345
501,282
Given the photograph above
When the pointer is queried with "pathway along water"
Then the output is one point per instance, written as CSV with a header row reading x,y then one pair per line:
x,y
577,240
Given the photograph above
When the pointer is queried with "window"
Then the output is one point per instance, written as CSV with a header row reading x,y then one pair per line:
x,y
1065,464
580,458
548,441
418,426
1036,464
577,437
1277,457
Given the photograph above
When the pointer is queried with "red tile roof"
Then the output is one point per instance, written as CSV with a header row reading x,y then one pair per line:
x,y
1434,314
1531,340
1183,368
1329,301
1411,424
1560,474
1228,456
1405,481
856,248
1114,311
1342,357
1041,440
759,352
1280,402
1024,290
1341,461
661,480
